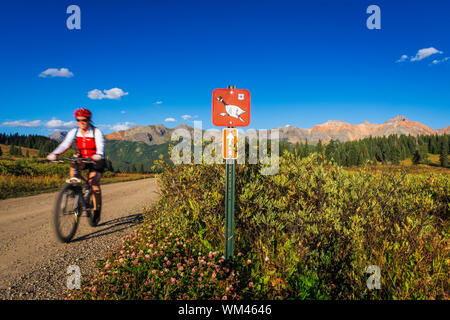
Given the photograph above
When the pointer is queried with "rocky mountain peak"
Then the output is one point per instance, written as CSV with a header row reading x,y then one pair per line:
x,y
332,129
58,135
397,119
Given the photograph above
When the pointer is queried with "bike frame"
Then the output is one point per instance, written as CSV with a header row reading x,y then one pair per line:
x,y
80,206
77,161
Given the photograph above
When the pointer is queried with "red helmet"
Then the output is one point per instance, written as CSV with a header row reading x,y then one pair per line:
x,y
82,112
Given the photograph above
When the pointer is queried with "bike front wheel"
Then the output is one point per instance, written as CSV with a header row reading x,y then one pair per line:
x,y
67,212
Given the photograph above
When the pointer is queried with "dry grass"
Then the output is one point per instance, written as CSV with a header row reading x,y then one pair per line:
x,y
18,186
406,166
5,152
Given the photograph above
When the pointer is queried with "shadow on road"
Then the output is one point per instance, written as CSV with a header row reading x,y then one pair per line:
x,y
113,226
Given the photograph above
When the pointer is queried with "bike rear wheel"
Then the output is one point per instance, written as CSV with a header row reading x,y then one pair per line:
x,y
67,212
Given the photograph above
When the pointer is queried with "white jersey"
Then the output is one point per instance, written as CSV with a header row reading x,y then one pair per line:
x,y
92,143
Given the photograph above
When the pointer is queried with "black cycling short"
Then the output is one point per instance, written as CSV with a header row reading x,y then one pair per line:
x,y
98,166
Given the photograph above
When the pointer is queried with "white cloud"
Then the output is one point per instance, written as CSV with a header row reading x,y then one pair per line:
x,y
403,58
123,112
186,117
440,61
96,94
52,72
170,120
116,127
425,53
22,123
122,126
60,125
114,94
158,102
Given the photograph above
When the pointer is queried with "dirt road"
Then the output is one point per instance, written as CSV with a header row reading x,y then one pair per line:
x,y
33,263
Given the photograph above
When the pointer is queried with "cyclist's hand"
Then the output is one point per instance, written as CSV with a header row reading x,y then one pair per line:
x,y
96,157
51,157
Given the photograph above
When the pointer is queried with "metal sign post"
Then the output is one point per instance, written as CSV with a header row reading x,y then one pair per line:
x,y
231,108
230,184
229,208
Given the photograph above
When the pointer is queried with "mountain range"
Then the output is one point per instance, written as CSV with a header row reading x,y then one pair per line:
x,y
343,131
151,135
332,129
141,145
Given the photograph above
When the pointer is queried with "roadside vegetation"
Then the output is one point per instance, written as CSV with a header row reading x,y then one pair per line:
x,y
309,232
24,170
28,176
392,149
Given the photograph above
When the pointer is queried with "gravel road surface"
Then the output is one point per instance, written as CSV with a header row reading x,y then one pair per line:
x,y
33,263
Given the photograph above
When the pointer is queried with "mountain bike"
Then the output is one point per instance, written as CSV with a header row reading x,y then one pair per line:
x,y
73,201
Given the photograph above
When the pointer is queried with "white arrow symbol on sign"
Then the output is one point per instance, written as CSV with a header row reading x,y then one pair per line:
x,y
230,139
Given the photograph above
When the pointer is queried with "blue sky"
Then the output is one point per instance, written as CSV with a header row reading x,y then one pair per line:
x,y
304,62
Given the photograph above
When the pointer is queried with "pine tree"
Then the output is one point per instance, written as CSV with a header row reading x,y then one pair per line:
x,y
395,156
41,153
443,156
297,149
12,150
424,152
109,165
330,149
319,147
306,149
416,158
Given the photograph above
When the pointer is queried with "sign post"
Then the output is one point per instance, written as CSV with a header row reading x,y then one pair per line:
x,y
230,154
231,108
229,208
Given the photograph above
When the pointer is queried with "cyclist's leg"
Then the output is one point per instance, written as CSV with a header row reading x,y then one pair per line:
x,y
94,181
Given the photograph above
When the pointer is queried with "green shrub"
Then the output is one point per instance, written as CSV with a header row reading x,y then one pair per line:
x,y
28,167
108,174
311,231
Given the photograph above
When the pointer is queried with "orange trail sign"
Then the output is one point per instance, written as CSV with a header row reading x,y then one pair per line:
x,y
229,143
231,107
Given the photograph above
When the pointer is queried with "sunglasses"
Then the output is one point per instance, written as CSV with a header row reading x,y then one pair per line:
x,y
82,120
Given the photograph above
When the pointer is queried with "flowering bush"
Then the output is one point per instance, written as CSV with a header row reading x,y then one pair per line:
x,y
309,232
158,264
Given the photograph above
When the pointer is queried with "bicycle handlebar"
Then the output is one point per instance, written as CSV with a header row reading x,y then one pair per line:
x,y
74,159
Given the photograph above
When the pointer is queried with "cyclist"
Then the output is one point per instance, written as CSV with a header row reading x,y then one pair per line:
x,y
90,143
